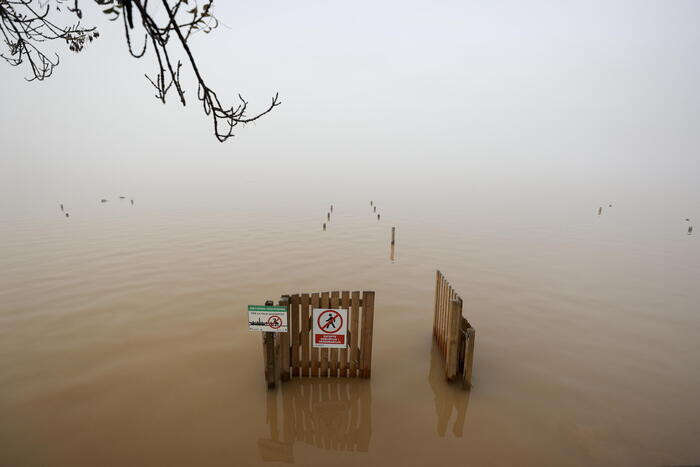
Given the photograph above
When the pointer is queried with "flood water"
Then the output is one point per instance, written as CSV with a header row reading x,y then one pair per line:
x,y
123,330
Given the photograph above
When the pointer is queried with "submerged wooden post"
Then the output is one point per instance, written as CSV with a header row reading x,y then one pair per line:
x,y
375,209
367,328
324,226
393,235
269,354
437,301
285,345
469,358
453,325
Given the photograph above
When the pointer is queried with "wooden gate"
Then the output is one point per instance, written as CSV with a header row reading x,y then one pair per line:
x,y
453,334
291,354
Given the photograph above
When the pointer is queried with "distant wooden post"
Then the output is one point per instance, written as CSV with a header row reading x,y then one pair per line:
x,y
379,216
328,215
393,235
324,226
375,209
331,208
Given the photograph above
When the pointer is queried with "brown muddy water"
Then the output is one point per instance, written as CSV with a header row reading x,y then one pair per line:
x,y
123,333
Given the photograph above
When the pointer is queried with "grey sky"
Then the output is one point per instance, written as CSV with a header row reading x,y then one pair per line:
x,y
550,92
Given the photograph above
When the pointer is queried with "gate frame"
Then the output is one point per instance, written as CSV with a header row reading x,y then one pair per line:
x,y
291,354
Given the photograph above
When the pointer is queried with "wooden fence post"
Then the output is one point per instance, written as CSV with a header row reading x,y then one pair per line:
x,y
469,358
268,340
269,354
437,298
453,328
284,344
367,328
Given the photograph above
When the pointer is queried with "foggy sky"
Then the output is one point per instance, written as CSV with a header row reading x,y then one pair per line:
x,y
513,95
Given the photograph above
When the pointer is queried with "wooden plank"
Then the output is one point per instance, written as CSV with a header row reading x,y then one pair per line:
x,y
325,303
277,356
354,334
285,345
333,364
469,358
367,329
305,344
269,358
440,313
443,316
437,296
295,332
452,360
345,303
315,354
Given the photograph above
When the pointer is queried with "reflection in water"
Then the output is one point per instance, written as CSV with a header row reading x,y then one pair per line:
x,y
327,413
447,397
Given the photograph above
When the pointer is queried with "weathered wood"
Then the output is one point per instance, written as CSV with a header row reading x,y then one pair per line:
x,y
295,333
345,303
333,364
277,356
453,335
393,235
469,358
292,354
444,291
305,339
453,330
269,358
285,344
354,331
325,302
437,298
315,354
367,326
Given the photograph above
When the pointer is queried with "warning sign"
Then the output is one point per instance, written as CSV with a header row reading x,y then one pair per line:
x,y
267,318
330,328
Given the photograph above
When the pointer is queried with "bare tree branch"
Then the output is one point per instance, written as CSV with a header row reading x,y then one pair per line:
x,y
25,27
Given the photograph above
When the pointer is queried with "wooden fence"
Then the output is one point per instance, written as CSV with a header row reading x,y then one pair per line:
x,y
453,334
291,354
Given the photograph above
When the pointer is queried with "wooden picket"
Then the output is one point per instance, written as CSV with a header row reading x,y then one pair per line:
x,y
453,334
292,355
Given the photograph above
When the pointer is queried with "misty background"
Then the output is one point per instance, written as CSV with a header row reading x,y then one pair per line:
x,y
546,102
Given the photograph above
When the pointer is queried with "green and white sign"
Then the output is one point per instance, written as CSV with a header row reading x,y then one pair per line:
x,y
267,318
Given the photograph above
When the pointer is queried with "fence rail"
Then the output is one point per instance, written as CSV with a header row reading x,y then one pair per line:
x,y
453,334
292,355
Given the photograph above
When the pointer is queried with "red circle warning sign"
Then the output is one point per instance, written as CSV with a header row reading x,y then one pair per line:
x,y
274,321
330,321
